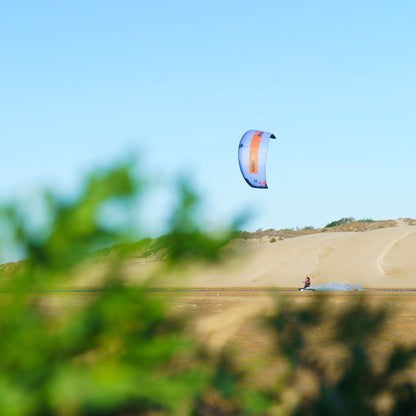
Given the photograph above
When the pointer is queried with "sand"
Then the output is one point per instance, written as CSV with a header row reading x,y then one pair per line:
x,y
381,258
225,315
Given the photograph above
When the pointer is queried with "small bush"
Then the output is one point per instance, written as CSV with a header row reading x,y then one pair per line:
x,y
341,221
368,220
273,240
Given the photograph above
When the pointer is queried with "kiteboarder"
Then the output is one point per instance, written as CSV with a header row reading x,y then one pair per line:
x,y
307,282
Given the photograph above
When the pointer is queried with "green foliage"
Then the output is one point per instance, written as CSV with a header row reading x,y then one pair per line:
x,y
186,241
75,227
354,383
341,221
273,240
120,352
367,220
142,249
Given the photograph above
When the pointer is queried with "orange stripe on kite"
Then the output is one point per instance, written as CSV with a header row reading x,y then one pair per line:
x,y
254,151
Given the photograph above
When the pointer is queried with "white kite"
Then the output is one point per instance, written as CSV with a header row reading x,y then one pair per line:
x,y
252,157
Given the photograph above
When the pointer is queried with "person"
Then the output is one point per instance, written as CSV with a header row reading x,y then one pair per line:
x,y
307,282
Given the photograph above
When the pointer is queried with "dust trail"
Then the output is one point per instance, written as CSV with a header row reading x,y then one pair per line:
x,y
335,286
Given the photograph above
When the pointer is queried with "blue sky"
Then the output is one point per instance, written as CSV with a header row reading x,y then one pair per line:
x,y
84,83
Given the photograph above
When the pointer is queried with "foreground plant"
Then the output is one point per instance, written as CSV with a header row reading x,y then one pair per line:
x,y
120,351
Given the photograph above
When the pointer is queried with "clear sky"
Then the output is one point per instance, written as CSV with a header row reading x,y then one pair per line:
x,y
84,83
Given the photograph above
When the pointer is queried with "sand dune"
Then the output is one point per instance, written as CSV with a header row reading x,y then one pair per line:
x,y
382,258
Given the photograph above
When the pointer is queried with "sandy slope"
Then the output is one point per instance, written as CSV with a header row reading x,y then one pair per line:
x,y
382,258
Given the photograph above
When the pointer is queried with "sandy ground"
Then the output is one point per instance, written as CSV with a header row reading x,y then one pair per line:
x,y
222,316
231,318
382,258
239,291
227,316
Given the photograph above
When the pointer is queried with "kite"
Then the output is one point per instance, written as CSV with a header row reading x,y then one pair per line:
x,y
252,157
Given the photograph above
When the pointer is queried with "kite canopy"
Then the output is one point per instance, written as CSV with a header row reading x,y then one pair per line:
x,y
252,157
